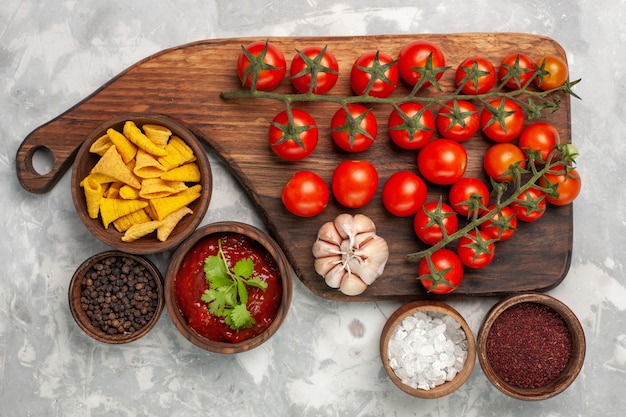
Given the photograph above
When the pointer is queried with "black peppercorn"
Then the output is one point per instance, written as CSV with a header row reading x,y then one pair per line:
x,y
118,295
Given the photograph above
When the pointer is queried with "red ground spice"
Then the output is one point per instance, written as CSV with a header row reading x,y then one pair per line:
x,y
529,345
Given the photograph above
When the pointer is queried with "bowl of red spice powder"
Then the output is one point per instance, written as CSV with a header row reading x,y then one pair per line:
x,y
531,346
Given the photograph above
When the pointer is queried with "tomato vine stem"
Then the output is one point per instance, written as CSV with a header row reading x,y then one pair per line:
x,y
289,98
476,222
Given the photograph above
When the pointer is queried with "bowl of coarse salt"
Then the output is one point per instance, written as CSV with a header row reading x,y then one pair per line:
x,y
427,349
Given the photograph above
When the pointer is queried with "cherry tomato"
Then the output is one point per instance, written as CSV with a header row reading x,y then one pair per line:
x,y
295,142
421,61
306,194
412,126
374,74
500,157
476,249
475,75
447,273
516,70
469,196
566,185
267,59
442,161
502,120
458,120
404,193
530,205
314,63
501,225
540,138
431,219
355,130
354,183
552,72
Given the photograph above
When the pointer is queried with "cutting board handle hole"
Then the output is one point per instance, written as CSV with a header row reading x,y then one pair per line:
x,y
42,160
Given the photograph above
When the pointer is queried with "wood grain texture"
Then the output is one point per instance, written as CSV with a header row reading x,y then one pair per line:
x,y
185,84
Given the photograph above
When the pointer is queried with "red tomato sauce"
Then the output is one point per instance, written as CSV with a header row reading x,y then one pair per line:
x,y
191,283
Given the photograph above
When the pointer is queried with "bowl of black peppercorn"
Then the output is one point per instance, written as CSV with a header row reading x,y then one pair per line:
x,y
116,297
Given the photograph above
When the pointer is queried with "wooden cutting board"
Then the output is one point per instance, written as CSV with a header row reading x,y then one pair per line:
x,y
185,83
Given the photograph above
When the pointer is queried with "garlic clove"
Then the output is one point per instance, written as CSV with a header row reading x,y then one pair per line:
x,y
344,223
351,284
335,276
325,264
363,239
368,268
349,226
363,224
369,257
328,233
321,249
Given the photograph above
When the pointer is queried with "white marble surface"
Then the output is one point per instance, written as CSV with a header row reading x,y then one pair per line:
x,y
55,53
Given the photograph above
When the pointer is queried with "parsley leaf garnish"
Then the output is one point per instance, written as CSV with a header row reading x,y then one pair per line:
x,y
227,295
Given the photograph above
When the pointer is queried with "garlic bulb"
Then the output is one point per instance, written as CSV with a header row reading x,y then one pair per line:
x,y
348,253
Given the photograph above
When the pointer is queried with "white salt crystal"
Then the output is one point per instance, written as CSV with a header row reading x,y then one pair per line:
x,y
438,380
451,322
393,363
421,317
401,334
451,374
427,349
409,323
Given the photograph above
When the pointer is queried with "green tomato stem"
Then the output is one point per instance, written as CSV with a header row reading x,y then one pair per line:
x,y
472,225
287,99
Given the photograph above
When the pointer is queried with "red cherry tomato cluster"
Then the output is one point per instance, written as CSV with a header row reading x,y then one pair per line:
x,y
436,132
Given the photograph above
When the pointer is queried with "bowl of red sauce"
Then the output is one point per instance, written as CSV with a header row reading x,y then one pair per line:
x,y
228,287
531,346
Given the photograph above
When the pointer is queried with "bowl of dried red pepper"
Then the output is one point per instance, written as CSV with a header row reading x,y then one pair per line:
x,y
228,287
531,346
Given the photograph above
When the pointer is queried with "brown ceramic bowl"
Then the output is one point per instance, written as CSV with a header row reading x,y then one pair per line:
x,y
85,161
427,306
263,243
82,300
568,374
